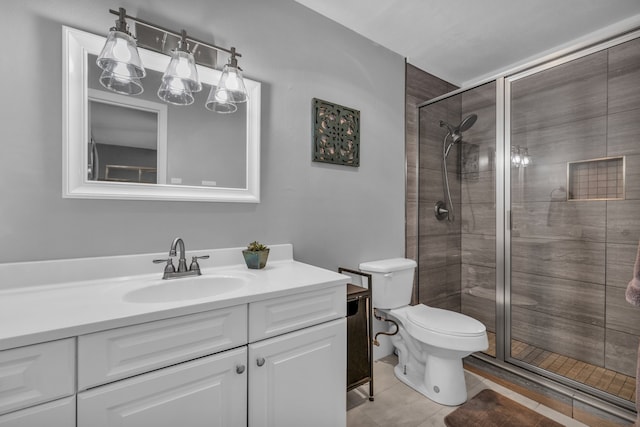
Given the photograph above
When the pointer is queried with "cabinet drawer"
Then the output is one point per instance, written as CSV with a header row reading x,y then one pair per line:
x,y
36,373
59,413
280,315
210,391
119,353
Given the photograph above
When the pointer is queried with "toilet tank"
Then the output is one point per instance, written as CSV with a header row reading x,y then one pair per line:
x,y
392,281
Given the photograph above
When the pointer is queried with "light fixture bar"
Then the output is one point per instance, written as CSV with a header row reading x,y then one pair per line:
x,y
122,67
231,51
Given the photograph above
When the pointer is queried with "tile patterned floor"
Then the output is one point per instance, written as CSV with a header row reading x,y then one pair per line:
x,y
397,405
598,377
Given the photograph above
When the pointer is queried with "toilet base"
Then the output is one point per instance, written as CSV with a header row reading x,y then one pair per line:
x,y
441,380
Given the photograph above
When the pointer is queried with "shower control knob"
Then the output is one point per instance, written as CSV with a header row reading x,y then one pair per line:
x,y
440,210
260,361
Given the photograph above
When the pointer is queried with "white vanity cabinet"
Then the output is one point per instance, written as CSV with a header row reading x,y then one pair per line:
x,y
268,353
270,363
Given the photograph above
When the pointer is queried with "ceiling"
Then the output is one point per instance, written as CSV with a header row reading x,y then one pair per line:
x,y
466,41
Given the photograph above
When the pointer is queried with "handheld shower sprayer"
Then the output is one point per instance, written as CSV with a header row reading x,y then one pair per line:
x,y
456,133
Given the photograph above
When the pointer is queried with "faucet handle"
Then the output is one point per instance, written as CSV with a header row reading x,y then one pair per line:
x,y
194,263
169,268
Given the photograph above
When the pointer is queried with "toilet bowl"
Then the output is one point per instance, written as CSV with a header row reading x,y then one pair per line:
x,y
430,342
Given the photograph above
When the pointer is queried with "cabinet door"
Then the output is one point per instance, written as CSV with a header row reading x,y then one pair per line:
x,y
298,379
59,413
36,374
211,391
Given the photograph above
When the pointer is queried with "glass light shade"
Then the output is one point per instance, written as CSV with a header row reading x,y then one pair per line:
x,y
219,101
182,66
126,85
175,91
232,83
120,52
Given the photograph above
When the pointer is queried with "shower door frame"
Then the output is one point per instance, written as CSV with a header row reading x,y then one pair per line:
x,y
503,359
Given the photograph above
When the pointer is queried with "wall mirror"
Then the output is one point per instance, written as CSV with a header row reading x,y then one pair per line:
x,y
140,148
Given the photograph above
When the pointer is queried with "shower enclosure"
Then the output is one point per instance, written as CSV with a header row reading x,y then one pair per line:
x,y
542,171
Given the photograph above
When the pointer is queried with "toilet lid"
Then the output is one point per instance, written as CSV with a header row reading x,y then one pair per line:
x,y
444,321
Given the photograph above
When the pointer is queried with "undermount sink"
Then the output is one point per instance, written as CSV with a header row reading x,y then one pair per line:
x,y
186,288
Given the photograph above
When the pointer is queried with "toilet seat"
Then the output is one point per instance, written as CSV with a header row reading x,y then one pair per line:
x,y
444,321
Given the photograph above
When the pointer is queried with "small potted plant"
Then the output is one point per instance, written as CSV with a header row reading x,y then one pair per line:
x,y
256,255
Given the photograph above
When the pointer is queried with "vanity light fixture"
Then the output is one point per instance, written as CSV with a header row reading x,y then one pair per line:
x,y
120,61
219,100
180,79
231,80
230,89
122,67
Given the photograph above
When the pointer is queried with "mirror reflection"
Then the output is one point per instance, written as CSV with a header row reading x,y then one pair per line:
x,y
123,141
203,149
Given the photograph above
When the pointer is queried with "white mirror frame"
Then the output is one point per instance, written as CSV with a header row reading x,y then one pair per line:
x,y
76,46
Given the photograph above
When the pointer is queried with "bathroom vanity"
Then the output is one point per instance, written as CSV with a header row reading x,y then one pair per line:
x,y
267,348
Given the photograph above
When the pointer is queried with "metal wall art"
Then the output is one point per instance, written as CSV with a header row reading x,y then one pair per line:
x,y
336,134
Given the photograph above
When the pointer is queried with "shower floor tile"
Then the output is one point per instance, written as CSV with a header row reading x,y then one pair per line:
x,y
606,380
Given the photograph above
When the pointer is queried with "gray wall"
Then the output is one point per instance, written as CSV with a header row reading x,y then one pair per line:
x,y
333,215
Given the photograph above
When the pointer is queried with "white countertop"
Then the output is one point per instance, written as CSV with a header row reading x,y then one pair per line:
x,y
34,309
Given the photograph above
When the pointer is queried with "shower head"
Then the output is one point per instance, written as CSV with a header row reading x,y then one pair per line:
x,y
446,210
467,122
465,125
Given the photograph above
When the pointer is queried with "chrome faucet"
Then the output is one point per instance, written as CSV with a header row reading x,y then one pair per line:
x,y
182,262
170,270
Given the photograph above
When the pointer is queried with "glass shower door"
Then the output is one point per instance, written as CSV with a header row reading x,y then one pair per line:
x,y
571,233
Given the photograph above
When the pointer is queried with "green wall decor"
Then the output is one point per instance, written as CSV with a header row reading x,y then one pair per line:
x,y
336,134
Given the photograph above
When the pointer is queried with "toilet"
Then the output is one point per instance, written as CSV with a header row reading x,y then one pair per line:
x,y
430,342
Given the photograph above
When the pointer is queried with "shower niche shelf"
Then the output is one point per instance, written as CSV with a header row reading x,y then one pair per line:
x,y
596,179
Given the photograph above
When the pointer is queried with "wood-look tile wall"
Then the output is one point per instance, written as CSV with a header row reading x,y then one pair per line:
x,y
420,87
440,247
571,261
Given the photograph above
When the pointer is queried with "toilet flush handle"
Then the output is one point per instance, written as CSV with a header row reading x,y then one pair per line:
x,y
388,275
